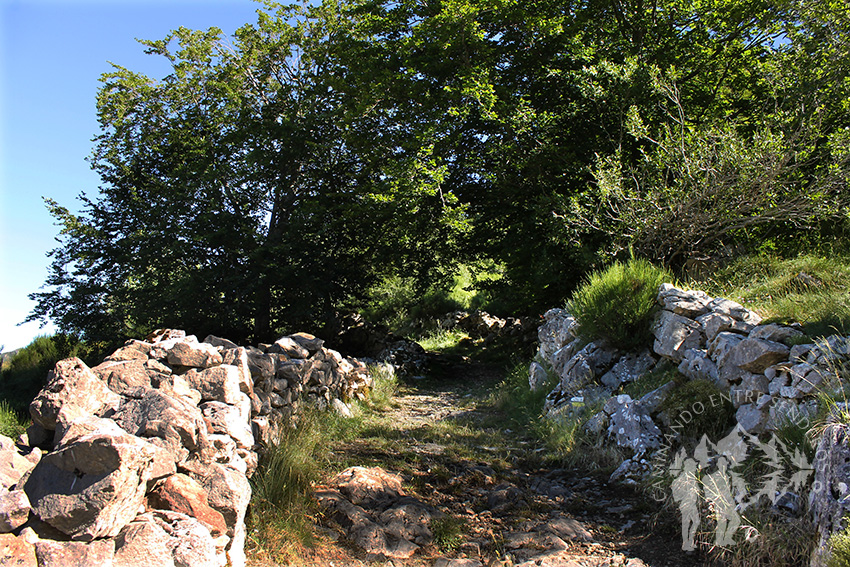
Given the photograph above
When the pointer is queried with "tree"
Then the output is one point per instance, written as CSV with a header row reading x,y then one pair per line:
x,y
249,191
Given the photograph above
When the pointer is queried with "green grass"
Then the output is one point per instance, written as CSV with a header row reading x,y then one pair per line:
x,y
12,423
617,304
808,289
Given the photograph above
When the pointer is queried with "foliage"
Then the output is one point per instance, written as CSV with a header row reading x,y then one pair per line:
x,y
617,304
697,408
11,424
839,549
517,400
809,289
448,532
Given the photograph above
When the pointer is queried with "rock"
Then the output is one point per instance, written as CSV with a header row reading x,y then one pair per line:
x,y
14,510
218,342
341,408
829,498
142,543
126,377
16,552
132,350
689,304
628,369
537,376
181,493
734,310
261,365
697,365
178,423
238,357
675,334
228,420
193,546
776,333
591,361
631,425
785,411
193,355
228,490
98,553
13,465
306,340
72,383
751,419
555,333
365,485
290,347
93,486
219,383
721,346
715,323
755,355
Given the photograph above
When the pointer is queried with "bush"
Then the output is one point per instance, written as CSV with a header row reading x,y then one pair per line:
x,y
697,408
617,304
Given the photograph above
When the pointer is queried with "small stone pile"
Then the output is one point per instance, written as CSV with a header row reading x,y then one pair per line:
x,y
145,458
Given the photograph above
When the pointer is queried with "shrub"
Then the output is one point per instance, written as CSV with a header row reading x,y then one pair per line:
x,y
617,304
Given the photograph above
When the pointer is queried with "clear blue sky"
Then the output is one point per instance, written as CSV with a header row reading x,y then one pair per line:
x,y
52,53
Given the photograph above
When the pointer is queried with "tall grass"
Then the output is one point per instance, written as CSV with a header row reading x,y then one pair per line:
x,y
617,304
809,289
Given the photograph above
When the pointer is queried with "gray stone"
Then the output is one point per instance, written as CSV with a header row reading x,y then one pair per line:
x,y
751,419
689,303
72,383
675,334
776,333
735,310
829,498
631,425
697,365
591,361
310,342
290,348
537,376
755,355
628,369
92,487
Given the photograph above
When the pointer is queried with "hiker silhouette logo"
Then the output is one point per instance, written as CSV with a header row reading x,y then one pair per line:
x,y
712,480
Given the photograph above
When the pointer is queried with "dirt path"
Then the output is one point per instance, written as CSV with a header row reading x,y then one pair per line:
x,y
500,506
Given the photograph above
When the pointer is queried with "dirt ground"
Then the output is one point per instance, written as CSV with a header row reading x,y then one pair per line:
x,y
456,453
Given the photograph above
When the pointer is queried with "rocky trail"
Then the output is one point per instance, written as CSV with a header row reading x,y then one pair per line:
x,y
439,478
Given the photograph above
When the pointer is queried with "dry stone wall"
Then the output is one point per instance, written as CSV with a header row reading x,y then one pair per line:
x,y
145,458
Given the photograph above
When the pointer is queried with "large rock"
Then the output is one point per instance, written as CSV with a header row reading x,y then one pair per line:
x,y
191,542
290,347
181,493
16,552
228,490
14,510
752,355
142,543
829,499
99,553
193,355
126,377
176,422
675,334
13,465
92,487
72,383
631,426
589,363
689,303
628,369
220,383
228,420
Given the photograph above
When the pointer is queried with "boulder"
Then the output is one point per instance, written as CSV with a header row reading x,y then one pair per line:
x,y
132,350
193,355
628,369
14,510
751,419
93,486
142,543
697,365
16,552
734,310
13,465
238,357
72,383
776,333
829,498
590,362
98,553
688,303
631,425
228,420
290,347
220,343
306,340
675,334
537,376
178,423
219,383
228,490
181,493
191,542
755,355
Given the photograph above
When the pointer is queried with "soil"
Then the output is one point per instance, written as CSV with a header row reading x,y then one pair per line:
x,y
456,452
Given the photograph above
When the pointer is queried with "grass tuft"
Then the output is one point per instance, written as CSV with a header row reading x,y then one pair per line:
x,y
617,304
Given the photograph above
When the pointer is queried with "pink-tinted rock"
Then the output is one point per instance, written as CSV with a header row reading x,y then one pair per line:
x,y
181,493
72,383
98,553
14,510
16,552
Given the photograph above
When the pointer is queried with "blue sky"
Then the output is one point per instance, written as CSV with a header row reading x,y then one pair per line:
x,y
52,53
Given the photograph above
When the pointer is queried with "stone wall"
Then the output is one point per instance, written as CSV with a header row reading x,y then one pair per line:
x,y
771,374
145,458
